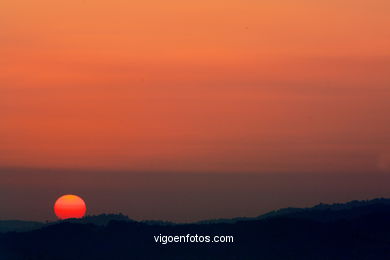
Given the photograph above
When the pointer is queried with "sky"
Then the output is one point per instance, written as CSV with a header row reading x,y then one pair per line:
x,y
184,92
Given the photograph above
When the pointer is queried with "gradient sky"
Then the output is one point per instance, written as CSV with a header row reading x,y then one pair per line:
x,y
226,89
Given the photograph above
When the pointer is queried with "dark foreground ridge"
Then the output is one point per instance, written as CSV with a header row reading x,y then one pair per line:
x,y
355,230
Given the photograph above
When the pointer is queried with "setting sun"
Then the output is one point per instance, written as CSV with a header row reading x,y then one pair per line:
x,y
70,206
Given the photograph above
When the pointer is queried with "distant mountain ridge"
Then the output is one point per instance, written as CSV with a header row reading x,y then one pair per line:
x,y
321,212
358,230
19,225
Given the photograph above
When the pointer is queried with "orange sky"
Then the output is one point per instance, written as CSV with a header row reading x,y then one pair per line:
x,y
196,86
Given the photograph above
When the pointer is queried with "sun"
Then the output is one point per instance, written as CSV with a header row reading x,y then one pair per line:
x,y
69,206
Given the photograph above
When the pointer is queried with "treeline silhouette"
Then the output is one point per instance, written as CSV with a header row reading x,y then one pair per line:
x,y
356,230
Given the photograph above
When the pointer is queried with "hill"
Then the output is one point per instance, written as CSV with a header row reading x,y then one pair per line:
x,y
355,230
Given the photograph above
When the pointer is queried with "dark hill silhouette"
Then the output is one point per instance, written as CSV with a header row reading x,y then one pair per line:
x,y
356,230
321,212
19,225
100,220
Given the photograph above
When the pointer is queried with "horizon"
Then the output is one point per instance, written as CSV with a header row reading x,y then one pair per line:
x,y
204,221
169,203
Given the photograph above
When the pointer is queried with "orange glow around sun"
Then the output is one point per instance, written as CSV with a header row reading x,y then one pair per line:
x,y
70,206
